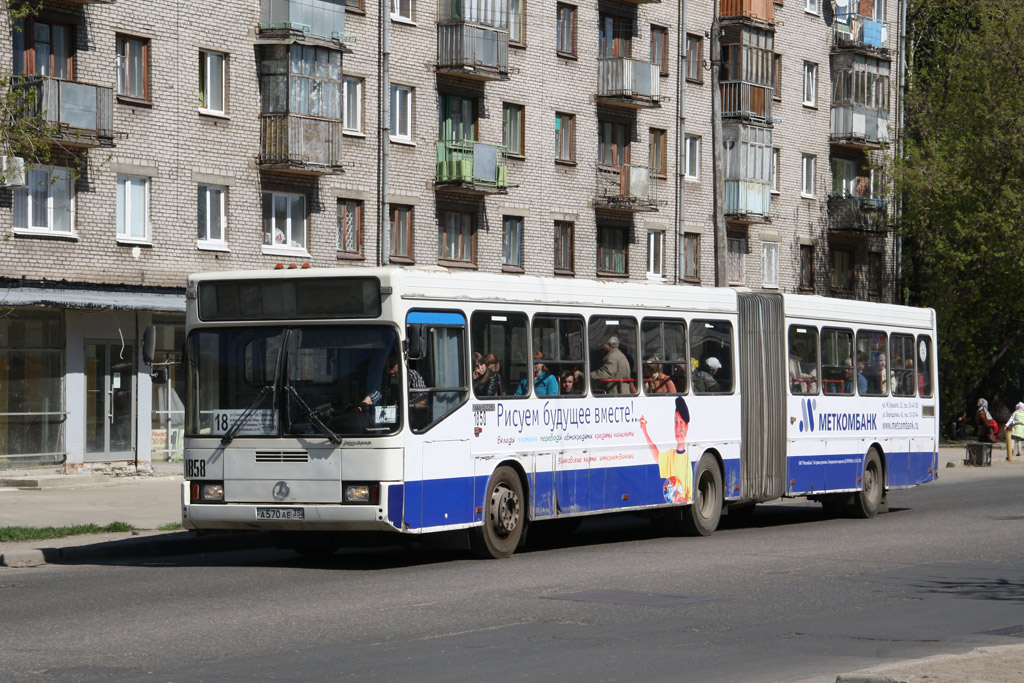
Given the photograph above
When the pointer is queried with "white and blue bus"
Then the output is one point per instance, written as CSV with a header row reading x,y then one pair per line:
x,y
326,403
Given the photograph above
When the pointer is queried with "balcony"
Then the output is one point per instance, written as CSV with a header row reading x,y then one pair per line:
x,y
748,101
859,126
477,52
626,188
301,144
315,22
762,11
628,82
857,214
470,167
82,113
748,200
860,33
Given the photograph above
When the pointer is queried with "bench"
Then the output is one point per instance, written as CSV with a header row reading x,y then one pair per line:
x,y
979,454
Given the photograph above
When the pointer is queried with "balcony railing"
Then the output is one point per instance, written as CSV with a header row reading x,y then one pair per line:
x,y
472,167
748,200
300,143
626,188
83,112
319,21
629,81
857,124
859,31
476,51
857,214
759,10
745,100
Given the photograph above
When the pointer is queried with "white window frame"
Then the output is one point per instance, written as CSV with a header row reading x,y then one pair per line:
x,y
287,231
517,21
770,265
402,10
655,255
776,177
126,233
207,60
811,6
401,116
692,170
737,256
352,89
215,198
810,93
808,164
48,180
512,241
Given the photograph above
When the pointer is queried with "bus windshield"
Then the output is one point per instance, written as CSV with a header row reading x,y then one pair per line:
x,y
324,381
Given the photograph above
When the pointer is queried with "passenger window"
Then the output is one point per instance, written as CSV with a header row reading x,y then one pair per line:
x,y
837,374
924,365
711,356
501,360
613,355
436,371
803,359
560,368
903,378
666,365
873,373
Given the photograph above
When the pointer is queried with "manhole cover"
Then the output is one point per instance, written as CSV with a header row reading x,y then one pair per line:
x,y
620,597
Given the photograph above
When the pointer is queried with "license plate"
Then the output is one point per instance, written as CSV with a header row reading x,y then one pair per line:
x,y
280,513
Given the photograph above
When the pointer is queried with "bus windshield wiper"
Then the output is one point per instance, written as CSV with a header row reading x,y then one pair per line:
x,y
314,416
233,430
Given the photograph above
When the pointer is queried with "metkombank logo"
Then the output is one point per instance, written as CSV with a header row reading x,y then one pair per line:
x,y
812,420
807,407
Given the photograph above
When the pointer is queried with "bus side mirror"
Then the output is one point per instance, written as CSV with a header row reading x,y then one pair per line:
x,y
416,342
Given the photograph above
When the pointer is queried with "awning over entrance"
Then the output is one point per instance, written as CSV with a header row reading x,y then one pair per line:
x,y
170,301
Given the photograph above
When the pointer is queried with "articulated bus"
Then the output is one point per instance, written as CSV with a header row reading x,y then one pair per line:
x,y
323,404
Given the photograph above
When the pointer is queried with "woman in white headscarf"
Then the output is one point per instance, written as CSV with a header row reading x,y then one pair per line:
x,y
1015,425
988,428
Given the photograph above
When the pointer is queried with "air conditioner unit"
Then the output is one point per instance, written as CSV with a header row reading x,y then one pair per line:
x,y
12,171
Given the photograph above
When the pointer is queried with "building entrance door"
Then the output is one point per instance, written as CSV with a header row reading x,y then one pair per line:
x,y
109,401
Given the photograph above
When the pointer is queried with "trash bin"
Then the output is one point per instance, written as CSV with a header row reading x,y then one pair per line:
x,y
979,454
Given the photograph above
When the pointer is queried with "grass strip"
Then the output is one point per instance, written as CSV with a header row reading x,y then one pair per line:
x,y
10,534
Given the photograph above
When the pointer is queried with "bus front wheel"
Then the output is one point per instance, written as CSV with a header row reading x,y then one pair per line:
x,y
703,515
504,516
872,487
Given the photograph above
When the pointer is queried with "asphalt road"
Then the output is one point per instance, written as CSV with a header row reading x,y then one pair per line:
x,y
793,596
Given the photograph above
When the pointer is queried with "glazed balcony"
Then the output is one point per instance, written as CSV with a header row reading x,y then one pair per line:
x,y
472,51
748,200
757,10
847,214
83,114
301,144
628,82
748,101
470,167
319,22
859,126
626,188
861,33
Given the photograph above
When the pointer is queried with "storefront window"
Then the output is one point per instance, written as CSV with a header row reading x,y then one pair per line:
x,y
168,416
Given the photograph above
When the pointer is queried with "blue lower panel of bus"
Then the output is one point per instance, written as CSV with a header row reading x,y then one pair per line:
x,y
819,473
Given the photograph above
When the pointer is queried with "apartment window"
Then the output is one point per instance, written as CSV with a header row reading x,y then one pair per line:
x,y
843,274
565,137
691,257
211,82
352,97
810,84
456,237
811,6
770,265
133,67
615,36
808,162
612,250
655,254
777,76
659,49
458,117
659,152
354,4
692,156
512,241
694,58
564,246
776,178
211,216
401,113
517,21
350,227
737,257
875,272
401,232
43,48
565,41
132,207
284,220
806,267
513,130
315,81
46,203
612,143
401,9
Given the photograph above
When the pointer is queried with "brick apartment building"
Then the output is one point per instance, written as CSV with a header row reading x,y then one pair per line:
x,y
565,139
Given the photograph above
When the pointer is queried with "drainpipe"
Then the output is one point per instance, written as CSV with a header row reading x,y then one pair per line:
x,y
383,132
900,97
680,217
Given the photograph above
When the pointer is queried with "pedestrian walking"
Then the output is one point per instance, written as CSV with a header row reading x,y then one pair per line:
x,y
1015,429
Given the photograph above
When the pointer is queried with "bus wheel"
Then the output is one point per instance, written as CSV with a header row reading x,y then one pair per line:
x,y
701,518
504,516
870,496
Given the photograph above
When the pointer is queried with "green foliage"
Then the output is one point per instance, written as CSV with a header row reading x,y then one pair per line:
x,y
962,185
10,534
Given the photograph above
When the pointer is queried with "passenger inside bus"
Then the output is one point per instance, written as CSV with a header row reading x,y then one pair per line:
x,y
544,383
704,376
656,381
613,376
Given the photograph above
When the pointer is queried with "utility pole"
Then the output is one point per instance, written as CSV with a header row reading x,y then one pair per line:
x,y
383,133
718,182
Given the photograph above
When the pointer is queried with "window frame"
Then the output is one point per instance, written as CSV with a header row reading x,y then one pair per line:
x,y
691,148
726,358
559,319
691,256
659,49
776,76
613,142
205,193
905,340
28,201
812,7
656,254
615,253
125,210
285,247
560,266
394,210
122,85
465,241
847,281
643,352
737,260
512,238
560,137
883,382
205,57
810,85
839,368
563,12
615,35
482,319
595,343
806,268
776,184
519,12
694,65
397,15
346,208
25,52
769,265
808,173
659,152
356,101
803,385
508,110
401,114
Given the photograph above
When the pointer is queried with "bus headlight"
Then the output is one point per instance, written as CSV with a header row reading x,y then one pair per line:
x,y
207,491
365,493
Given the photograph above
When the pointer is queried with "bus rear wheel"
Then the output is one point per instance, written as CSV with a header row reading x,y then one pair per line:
x,y
872,487
504,516
703,515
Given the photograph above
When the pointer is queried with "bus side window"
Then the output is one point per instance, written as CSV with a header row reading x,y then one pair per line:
x,y
903,382
873,372
837,373
666,366
559,341
500,346
438,381
613,355
803,359
924,365
711,356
